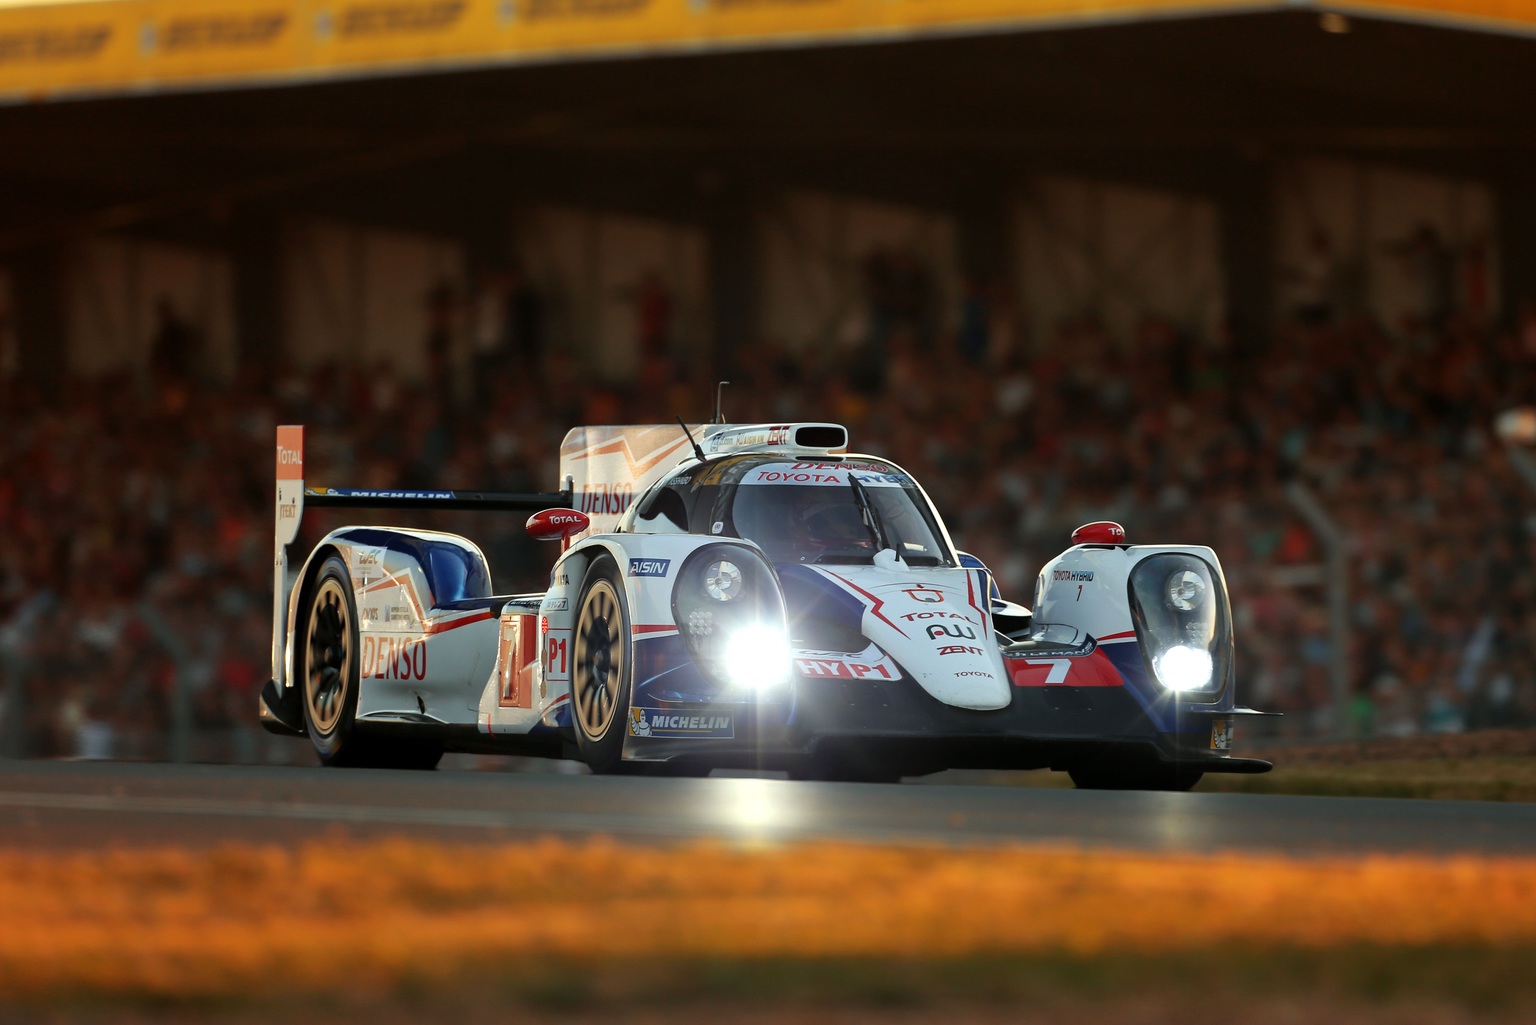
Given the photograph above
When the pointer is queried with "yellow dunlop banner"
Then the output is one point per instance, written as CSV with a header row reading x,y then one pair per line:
x,y
1499,15
549,27
69,46
212,39
916,14
365,32
126,45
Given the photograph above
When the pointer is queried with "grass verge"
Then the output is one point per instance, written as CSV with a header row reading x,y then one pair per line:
x,y
1462,779
575,927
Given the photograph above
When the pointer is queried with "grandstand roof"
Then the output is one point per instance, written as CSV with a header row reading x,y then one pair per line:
x,y
1125,97
70,47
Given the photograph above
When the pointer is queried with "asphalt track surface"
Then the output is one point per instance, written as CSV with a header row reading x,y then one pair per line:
x,y
96,805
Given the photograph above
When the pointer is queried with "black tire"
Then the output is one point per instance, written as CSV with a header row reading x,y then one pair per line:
x,y
601,668
327,665
1173,778
327,643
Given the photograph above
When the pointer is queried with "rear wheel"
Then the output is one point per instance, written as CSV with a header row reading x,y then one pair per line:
x,y
601,669
328,647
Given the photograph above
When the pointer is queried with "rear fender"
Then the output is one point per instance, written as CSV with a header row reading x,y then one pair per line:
x,y
414,591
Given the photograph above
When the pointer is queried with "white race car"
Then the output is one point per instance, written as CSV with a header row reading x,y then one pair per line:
x,y
745,596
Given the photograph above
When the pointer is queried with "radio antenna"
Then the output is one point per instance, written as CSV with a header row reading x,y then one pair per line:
x,y
719,396
696,450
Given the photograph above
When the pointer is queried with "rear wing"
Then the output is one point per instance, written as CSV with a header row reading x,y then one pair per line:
x,y
293,497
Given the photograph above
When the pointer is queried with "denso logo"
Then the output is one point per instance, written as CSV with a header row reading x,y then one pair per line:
x,y
606,499
649,567
387,659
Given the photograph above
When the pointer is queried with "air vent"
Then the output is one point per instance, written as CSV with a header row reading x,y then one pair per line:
x,y
828,436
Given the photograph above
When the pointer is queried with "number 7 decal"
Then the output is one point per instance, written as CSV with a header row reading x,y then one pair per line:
x,y
1059,668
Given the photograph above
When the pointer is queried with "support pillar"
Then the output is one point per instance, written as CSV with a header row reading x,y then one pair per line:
x,y
733,266
39,297
1516,242
983,217
1245,196
256,243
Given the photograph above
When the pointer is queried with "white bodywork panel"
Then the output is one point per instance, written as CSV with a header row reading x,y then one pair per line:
x,y
1085,586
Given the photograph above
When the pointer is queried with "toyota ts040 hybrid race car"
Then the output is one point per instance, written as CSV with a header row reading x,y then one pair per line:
x,y
745,596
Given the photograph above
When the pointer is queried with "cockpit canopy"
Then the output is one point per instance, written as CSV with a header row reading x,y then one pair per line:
x,y
806,512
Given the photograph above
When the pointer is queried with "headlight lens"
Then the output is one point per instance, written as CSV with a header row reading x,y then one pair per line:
x,y
728,607
1185,590
722,580
757,657
1182,667
1182,621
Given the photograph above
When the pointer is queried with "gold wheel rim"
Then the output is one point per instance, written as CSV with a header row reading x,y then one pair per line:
x,y
328,671
599,660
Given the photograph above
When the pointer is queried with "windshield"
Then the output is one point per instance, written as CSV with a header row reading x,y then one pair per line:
x,y
814,512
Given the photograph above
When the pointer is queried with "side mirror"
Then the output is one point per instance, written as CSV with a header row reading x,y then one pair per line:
x,y
1099,532
557,524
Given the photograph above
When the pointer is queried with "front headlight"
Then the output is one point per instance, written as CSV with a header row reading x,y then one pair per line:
x,y
1182,621
1182,667
727,606
757,657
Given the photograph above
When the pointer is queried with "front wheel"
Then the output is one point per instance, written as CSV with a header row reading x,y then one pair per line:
x,y
601,669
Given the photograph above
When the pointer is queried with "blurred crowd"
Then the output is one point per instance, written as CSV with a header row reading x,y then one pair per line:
x,y
135,574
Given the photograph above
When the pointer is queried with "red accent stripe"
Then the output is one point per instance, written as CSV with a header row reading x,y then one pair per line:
x,y
1118,636
651,628
970,594
875,608
479,617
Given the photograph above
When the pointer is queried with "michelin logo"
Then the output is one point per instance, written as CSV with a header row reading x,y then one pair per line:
x,y
657,722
